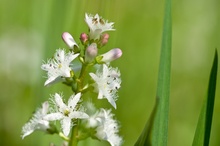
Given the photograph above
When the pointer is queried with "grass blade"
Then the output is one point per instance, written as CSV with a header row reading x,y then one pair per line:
x,y
203,130
156,129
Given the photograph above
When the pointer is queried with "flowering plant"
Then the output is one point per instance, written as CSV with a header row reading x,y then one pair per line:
x,y
79,118
84,69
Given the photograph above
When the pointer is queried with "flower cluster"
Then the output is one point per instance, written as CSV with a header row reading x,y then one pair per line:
x,y
83,69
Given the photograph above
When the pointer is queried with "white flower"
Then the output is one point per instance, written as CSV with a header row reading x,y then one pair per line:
x,y
97,26
37,122
107,83
91,110
58,67
106,127
66,113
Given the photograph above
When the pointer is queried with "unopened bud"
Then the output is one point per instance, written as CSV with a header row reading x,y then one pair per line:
x,y
91,52
84,38
104,39
69,40
111,55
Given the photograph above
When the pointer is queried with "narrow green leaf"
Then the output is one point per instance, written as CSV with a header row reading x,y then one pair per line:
x,y
203,129
156,129
144,139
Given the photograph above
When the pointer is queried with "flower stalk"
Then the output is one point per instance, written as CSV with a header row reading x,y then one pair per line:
x,y
74,139
78,118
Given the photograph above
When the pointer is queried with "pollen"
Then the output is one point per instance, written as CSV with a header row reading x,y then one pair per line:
x,y
94,20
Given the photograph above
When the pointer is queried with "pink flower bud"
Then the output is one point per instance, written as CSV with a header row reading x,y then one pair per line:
x,y
83,38
69,40
104,39
91,52
111,55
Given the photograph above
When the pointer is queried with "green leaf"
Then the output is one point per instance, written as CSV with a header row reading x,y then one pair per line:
x,y
156,129
204,125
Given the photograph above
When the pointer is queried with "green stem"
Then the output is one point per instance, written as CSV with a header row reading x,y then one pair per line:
x,y
80,84
74,139
81,78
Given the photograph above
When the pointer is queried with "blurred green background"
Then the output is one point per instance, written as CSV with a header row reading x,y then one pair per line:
x,y
30,32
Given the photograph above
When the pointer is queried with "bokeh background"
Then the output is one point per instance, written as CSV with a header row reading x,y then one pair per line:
x,y
30,32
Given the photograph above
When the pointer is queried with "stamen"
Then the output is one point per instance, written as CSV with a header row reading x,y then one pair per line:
x,y
101,21
94,20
